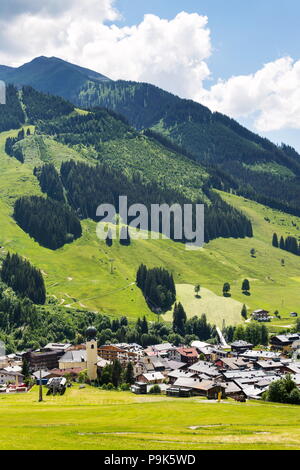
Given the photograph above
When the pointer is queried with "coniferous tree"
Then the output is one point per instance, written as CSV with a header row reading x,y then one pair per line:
x,y
246,286
275,241
116,373
179,319
244,312
226,289
129,374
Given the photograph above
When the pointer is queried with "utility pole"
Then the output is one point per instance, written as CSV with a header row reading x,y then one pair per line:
x,y
111,266
41,387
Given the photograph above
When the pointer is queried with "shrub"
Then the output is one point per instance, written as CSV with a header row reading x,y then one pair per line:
x,y
155,390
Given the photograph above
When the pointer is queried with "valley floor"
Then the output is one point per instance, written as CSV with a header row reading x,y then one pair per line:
x,y
93,419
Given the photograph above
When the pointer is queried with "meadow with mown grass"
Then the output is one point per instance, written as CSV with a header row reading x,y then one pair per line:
x,y
93,419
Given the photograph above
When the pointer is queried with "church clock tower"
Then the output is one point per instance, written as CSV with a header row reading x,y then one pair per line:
x,y
91,353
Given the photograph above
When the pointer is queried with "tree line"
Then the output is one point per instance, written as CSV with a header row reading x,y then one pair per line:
x,y
23,278
50,182
289,244
11,149
49,222
87,187
254,333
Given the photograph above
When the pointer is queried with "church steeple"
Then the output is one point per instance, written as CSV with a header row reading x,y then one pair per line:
x,y
91,353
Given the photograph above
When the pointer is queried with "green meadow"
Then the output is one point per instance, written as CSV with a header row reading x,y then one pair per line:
x,y
83,275
94,419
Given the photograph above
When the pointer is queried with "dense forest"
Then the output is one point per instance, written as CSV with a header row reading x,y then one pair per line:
x,y
50,182
10,148
11,114
23,278
50,223
42,106
158,287
29,105
87,187
273,190
254,333
87,129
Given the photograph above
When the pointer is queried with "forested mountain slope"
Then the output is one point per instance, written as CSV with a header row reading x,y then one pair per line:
x,y
237,159
51,75
89,157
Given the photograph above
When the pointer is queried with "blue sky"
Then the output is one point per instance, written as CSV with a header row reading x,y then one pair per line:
x,y
245,34
243,61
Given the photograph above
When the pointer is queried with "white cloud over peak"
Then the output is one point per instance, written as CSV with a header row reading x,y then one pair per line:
x,y
168,53
171,54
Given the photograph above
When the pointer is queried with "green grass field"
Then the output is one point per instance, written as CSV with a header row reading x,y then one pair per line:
x,y
216,307
94,419
79,275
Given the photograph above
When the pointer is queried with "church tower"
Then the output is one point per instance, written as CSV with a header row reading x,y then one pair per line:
x,y
91,353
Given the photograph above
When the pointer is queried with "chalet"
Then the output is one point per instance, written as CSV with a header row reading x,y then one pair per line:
x,y
151,378
7,377
205,368
234,391
205,388
43,359
112,352
283,342
162,350
261,315
260,355
241,346
187,355
179,392
232,363
270,365
174,365
176,374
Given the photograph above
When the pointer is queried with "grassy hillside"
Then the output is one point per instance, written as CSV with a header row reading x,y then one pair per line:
x,y
93,419
156,163
80,274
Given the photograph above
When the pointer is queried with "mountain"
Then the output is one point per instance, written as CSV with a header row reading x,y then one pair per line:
x,y
237,159
81,158
52,75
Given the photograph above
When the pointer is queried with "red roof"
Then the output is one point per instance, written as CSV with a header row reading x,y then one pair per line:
x,y
62,372
188,352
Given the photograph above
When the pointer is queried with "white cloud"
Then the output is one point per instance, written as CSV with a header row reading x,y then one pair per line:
x,y
171,54
272,94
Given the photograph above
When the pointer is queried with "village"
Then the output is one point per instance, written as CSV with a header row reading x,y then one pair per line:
x,y
237,370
